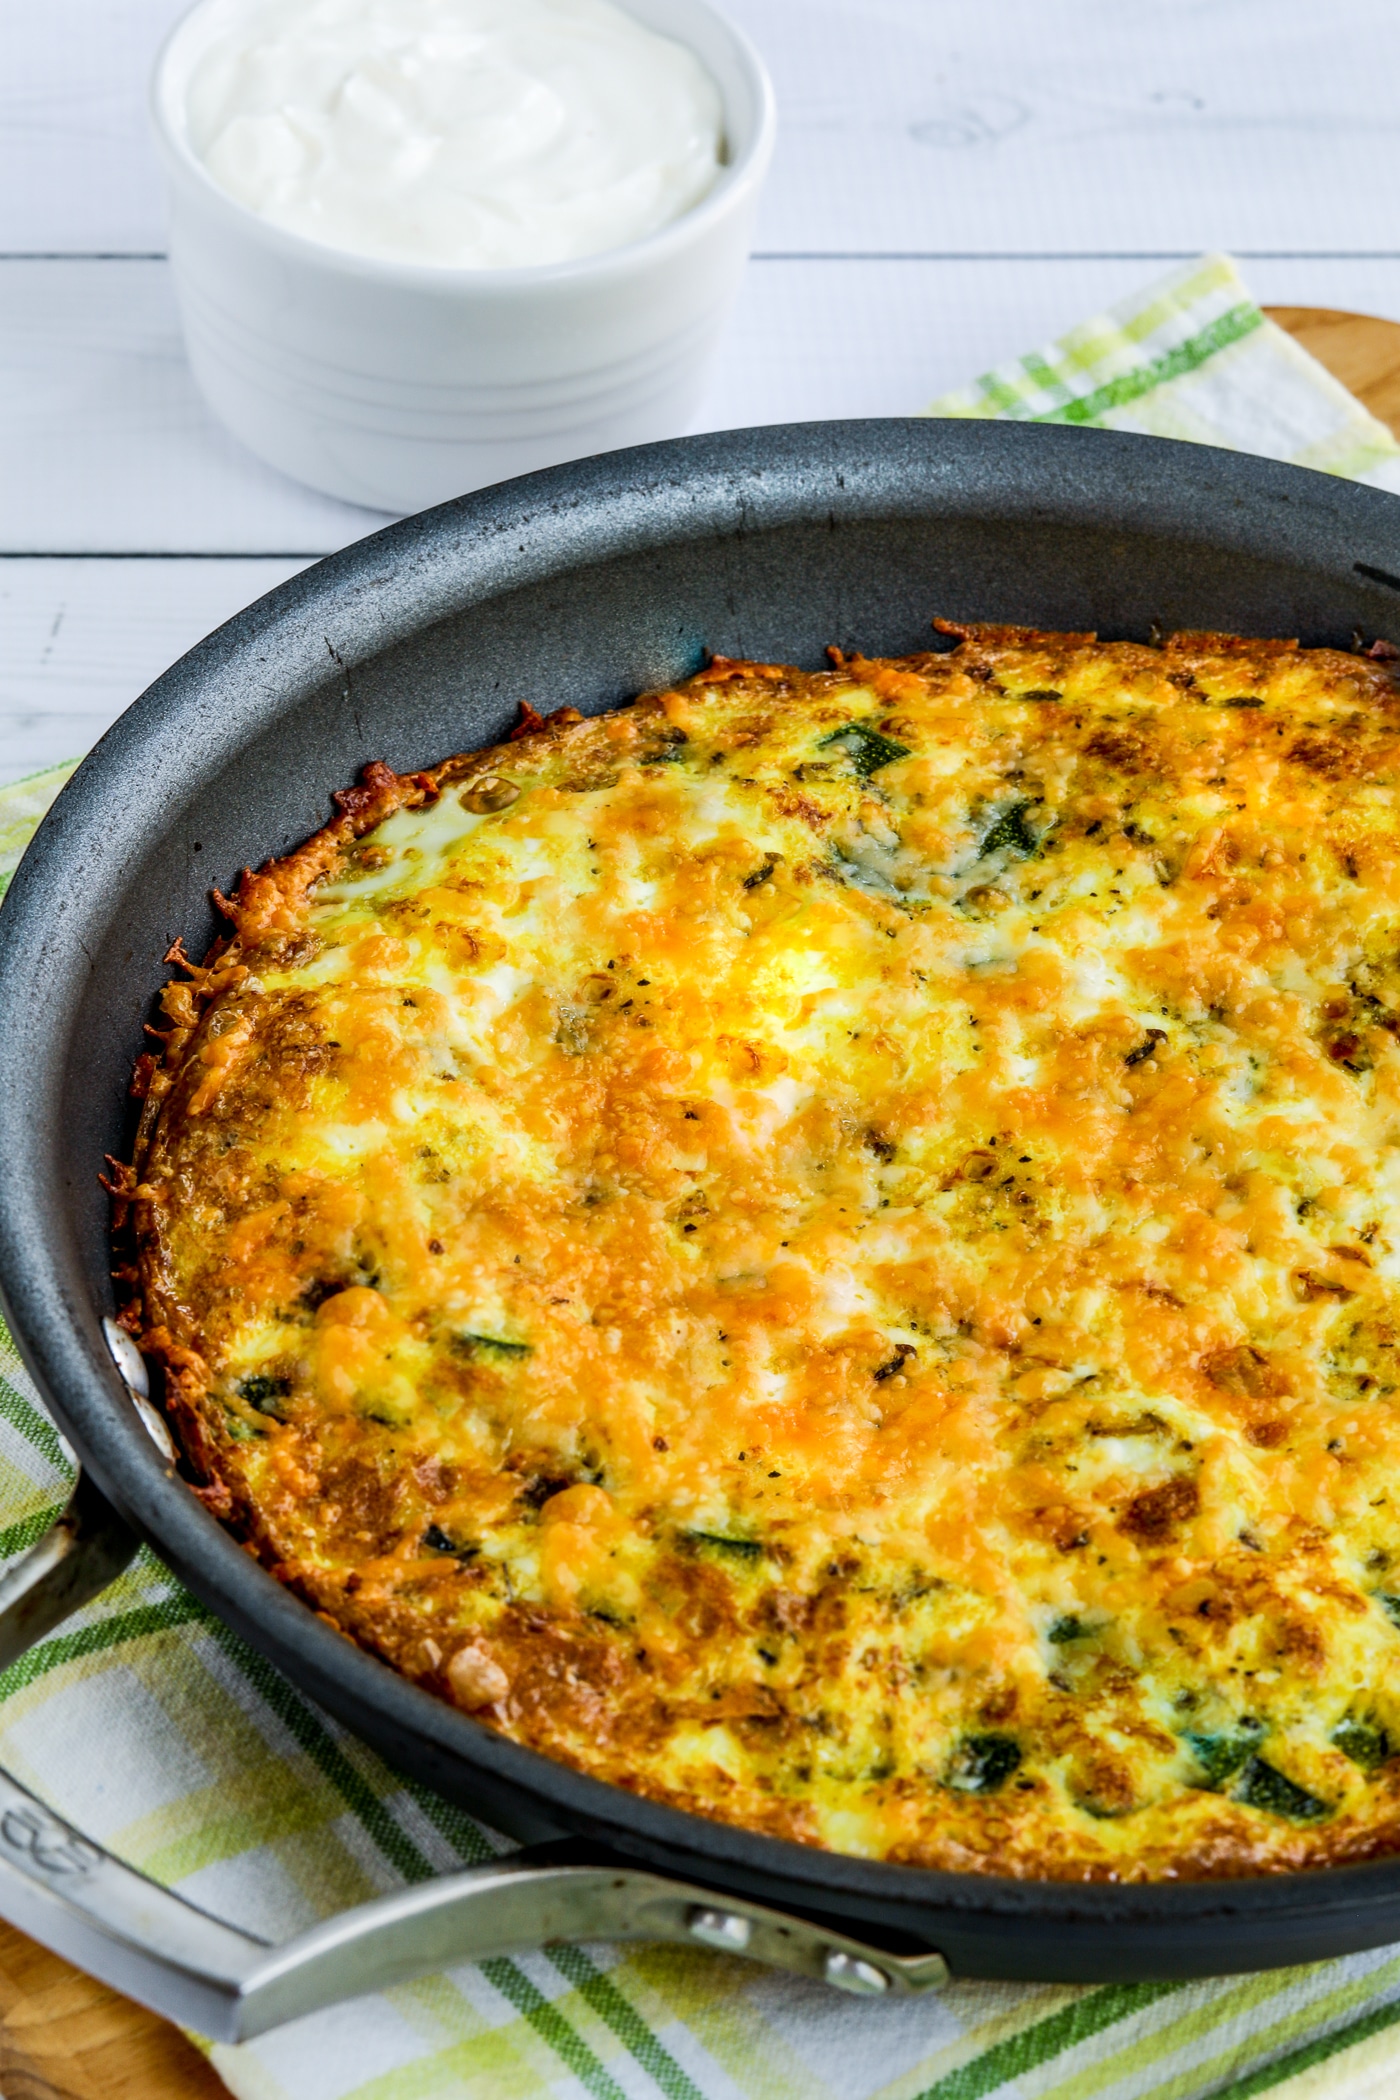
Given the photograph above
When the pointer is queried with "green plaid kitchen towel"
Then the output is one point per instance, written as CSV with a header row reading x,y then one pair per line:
x,y
1191,356
146,1722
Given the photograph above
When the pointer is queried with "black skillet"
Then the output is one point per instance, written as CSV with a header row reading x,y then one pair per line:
x,y
580,587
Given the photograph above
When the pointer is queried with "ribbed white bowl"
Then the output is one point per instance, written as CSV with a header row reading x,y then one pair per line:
x,y
400,385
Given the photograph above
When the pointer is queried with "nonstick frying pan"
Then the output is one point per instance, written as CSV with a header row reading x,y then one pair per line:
x,y
581,586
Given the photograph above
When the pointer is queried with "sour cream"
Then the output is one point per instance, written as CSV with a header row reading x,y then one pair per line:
x,y
481,134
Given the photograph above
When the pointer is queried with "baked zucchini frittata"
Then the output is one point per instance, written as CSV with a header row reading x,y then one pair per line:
x,y
826,1247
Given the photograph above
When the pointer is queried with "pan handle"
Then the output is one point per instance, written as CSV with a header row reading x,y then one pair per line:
x,y
87,1548
143,1940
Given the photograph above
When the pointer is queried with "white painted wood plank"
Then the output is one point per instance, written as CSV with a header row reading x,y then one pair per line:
x,y
1055,125
105,444
80,639
928,124
106,447
815,340
77,170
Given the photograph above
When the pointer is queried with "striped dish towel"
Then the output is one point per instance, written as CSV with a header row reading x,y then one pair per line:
x,y
1191,356
218,1778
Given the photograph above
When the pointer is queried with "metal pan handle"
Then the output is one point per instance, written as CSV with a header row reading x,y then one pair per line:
x,y
65,1891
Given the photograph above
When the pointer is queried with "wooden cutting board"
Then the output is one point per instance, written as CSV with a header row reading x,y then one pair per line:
x,y
1362,352
64,2037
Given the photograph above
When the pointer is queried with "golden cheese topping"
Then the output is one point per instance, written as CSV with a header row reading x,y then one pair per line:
x,y
826,1248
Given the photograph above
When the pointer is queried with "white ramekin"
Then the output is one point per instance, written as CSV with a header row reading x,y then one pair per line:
x,y
399,385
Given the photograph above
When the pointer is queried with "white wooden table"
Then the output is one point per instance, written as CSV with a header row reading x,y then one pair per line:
x,y
957,180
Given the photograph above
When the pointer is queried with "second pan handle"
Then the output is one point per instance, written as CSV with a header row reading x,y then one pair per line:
x,y
144,1940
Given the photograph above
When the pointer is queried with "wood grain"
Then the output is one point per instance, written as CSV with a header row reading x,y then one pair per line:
x,y
64,2037
1359,349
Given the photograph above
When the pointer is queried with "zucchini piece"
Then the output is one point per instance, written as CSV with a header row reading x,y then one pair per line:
x,y
436,1540
1390,1605
1068,1627
1012,834
742,1549
1153,1038
264,1393
1366,1743
1221,1754
867,750
1264,1786
384,1416
488,1345
761,874
982,1763
239,1431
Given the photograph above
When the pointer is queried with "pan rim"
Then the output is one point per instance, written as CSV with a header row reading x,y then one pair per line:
x,y
594,509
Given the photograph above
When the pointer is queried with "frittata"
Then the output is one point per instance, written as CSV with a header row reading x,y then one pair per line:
x,y
825,1246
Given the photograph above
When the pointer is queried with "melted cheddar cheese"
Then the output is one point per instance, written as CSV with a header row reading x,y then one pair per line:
x,y
826,1247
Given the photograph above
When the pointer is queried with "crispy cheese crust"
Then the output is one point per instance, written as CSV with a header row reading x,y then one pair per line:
x,y
826,1247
